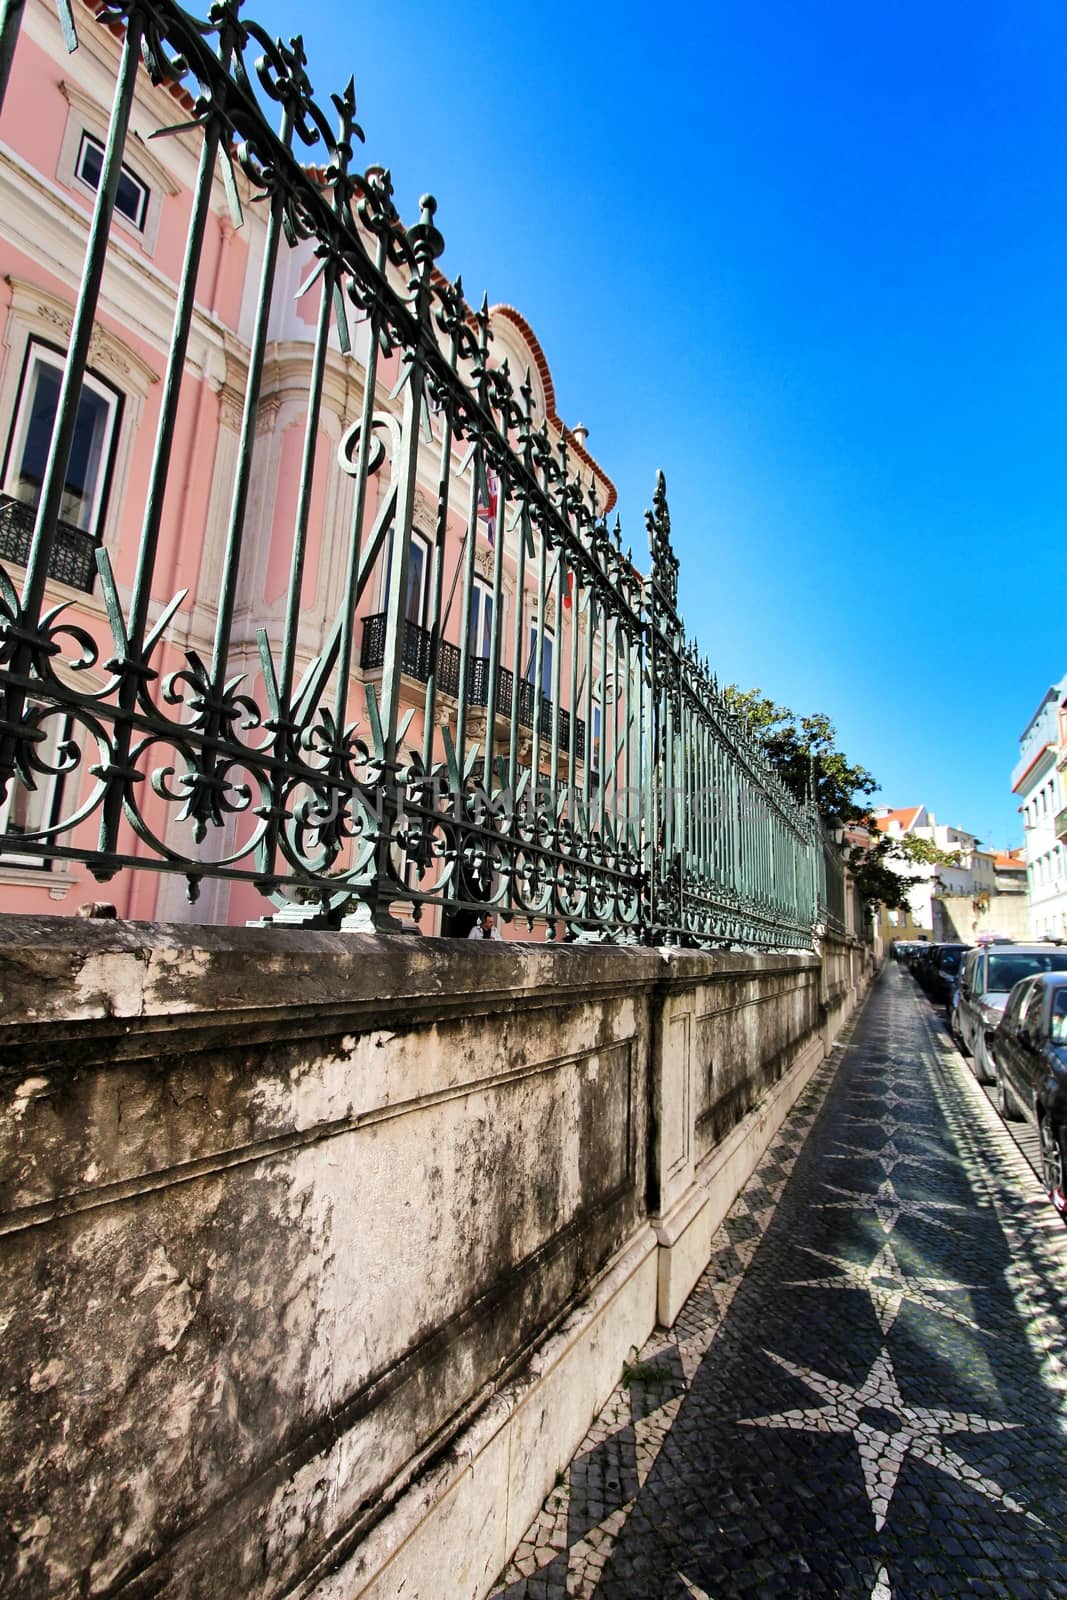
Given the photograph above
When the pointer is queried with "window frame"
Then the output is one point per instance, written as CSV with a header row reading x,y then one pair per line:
x,y
48,798
548,660
87,116
480,631
38,349
425,544
88,140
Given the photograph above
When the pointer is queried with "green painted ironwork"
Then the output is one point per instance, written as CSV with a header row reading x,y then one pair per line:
x,y
576,761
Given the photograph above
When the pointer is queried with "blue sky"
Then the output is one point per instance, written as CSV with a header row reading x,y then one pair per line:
x,y
811,261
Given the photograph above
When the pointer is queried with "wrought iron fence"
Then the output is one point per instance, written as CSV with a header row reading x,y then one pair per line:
x,y
632,806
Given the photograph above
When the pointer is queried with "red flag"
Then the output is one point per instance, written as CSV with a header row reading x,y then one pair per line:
x,y
568,598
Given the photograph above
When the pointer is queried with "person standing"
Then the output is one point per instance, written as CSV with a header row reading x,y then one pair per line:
x,y
485,927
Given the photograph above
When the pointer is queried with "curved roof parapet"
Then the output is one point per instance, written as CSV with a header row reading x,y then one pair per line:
x,y
544,372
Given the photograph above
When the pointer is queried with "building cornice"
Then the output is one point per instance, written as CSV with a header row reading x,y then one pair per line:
x,y
1023,776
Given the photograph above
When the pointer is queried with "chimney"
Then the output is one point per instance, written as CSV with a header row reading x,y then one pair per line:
x,y
580,433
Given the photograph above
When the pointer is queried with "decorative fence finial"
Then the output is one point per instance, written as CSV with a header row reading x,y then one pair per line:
x,y
664,560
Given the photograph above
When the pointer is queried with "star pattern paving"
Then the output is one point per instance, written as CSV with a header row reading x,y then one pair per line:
x,y
889,1157
883,1451
888,1286
889,1207
862,1398
890,1127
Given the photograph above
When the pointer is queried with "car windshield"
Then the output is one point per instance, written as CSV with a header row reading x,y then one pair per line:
x,y
1007,970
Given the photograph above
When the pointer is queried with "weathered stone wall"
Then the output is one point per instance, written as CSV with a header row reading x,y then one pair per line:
x,y
962,918
321,1250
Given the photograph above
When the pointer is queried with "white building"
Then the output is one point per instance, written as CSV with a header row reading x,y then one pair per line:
x,y
1038,780
970,877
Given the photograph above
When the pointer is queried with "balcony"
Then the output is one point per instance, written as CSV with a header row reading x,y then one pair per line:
x,y
1060,825
73,558
416,660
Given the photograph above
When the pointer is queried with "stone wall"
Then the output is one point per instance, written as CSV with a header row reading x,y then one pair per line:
x,y
321,1250
961,918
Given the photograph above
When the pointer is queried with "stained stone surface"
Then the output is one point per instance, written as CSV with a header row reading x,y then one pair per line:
x,y
864,1396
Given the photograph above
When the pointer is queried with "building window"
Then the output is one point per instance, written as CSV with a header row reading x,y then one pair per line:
x,y
90,455
415,588
547,648
131,197
84,498
480,625
30,811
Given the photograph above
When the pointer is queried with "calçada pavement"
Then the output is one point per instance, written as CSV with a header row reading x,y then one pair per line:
x,y
865,1397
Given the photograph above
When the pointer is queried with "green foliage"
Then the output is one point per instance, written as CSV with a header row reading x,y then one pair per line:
x,y
649,1372
924,850
804,753
876,881
879,883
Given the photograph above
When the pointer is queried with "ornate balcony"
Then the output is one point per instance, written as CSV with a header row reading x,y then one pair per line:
x,y
1060,825
73,558
416,661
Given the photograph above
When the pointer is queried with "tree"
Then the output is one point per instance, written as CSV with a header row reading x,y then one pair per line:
x,y
926,851
877,882
803,751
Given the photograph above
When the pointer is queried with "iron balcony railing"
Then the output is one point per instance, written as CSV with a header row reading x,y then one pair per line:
x,y
73,556
261,755
417,662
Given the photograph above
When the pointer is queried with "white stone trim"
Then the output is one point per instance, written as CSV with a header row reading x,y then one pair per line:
x,y
86,115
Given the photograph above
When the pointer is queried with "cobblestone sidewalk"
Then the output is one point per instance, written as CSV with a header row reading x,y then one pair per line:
x,y
864,1396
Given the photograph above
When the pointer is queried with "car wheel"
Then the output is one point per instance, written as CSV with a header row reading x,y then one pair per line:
x,y
1052,1163
957,1034
980,1062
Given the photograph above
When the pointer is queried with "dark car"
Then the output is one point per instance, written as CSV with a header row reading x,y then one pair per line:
x,y
918,959
911,953
939,974
989,975
1030,1068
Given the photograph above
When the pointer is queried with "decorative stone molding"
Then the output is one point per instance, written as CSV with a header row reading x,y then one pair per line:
x,y
85,115
266,413
425,516
58,882
50,318
139,155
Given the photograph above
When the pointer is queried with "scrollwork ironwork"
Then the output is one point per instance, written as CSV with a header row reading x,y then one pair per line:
x,y
217,765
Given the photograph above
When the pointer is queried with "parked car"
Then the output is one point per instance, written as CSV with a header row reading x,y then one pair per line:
x,y
989,975
941,968
919,963
908,951
1029,1053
